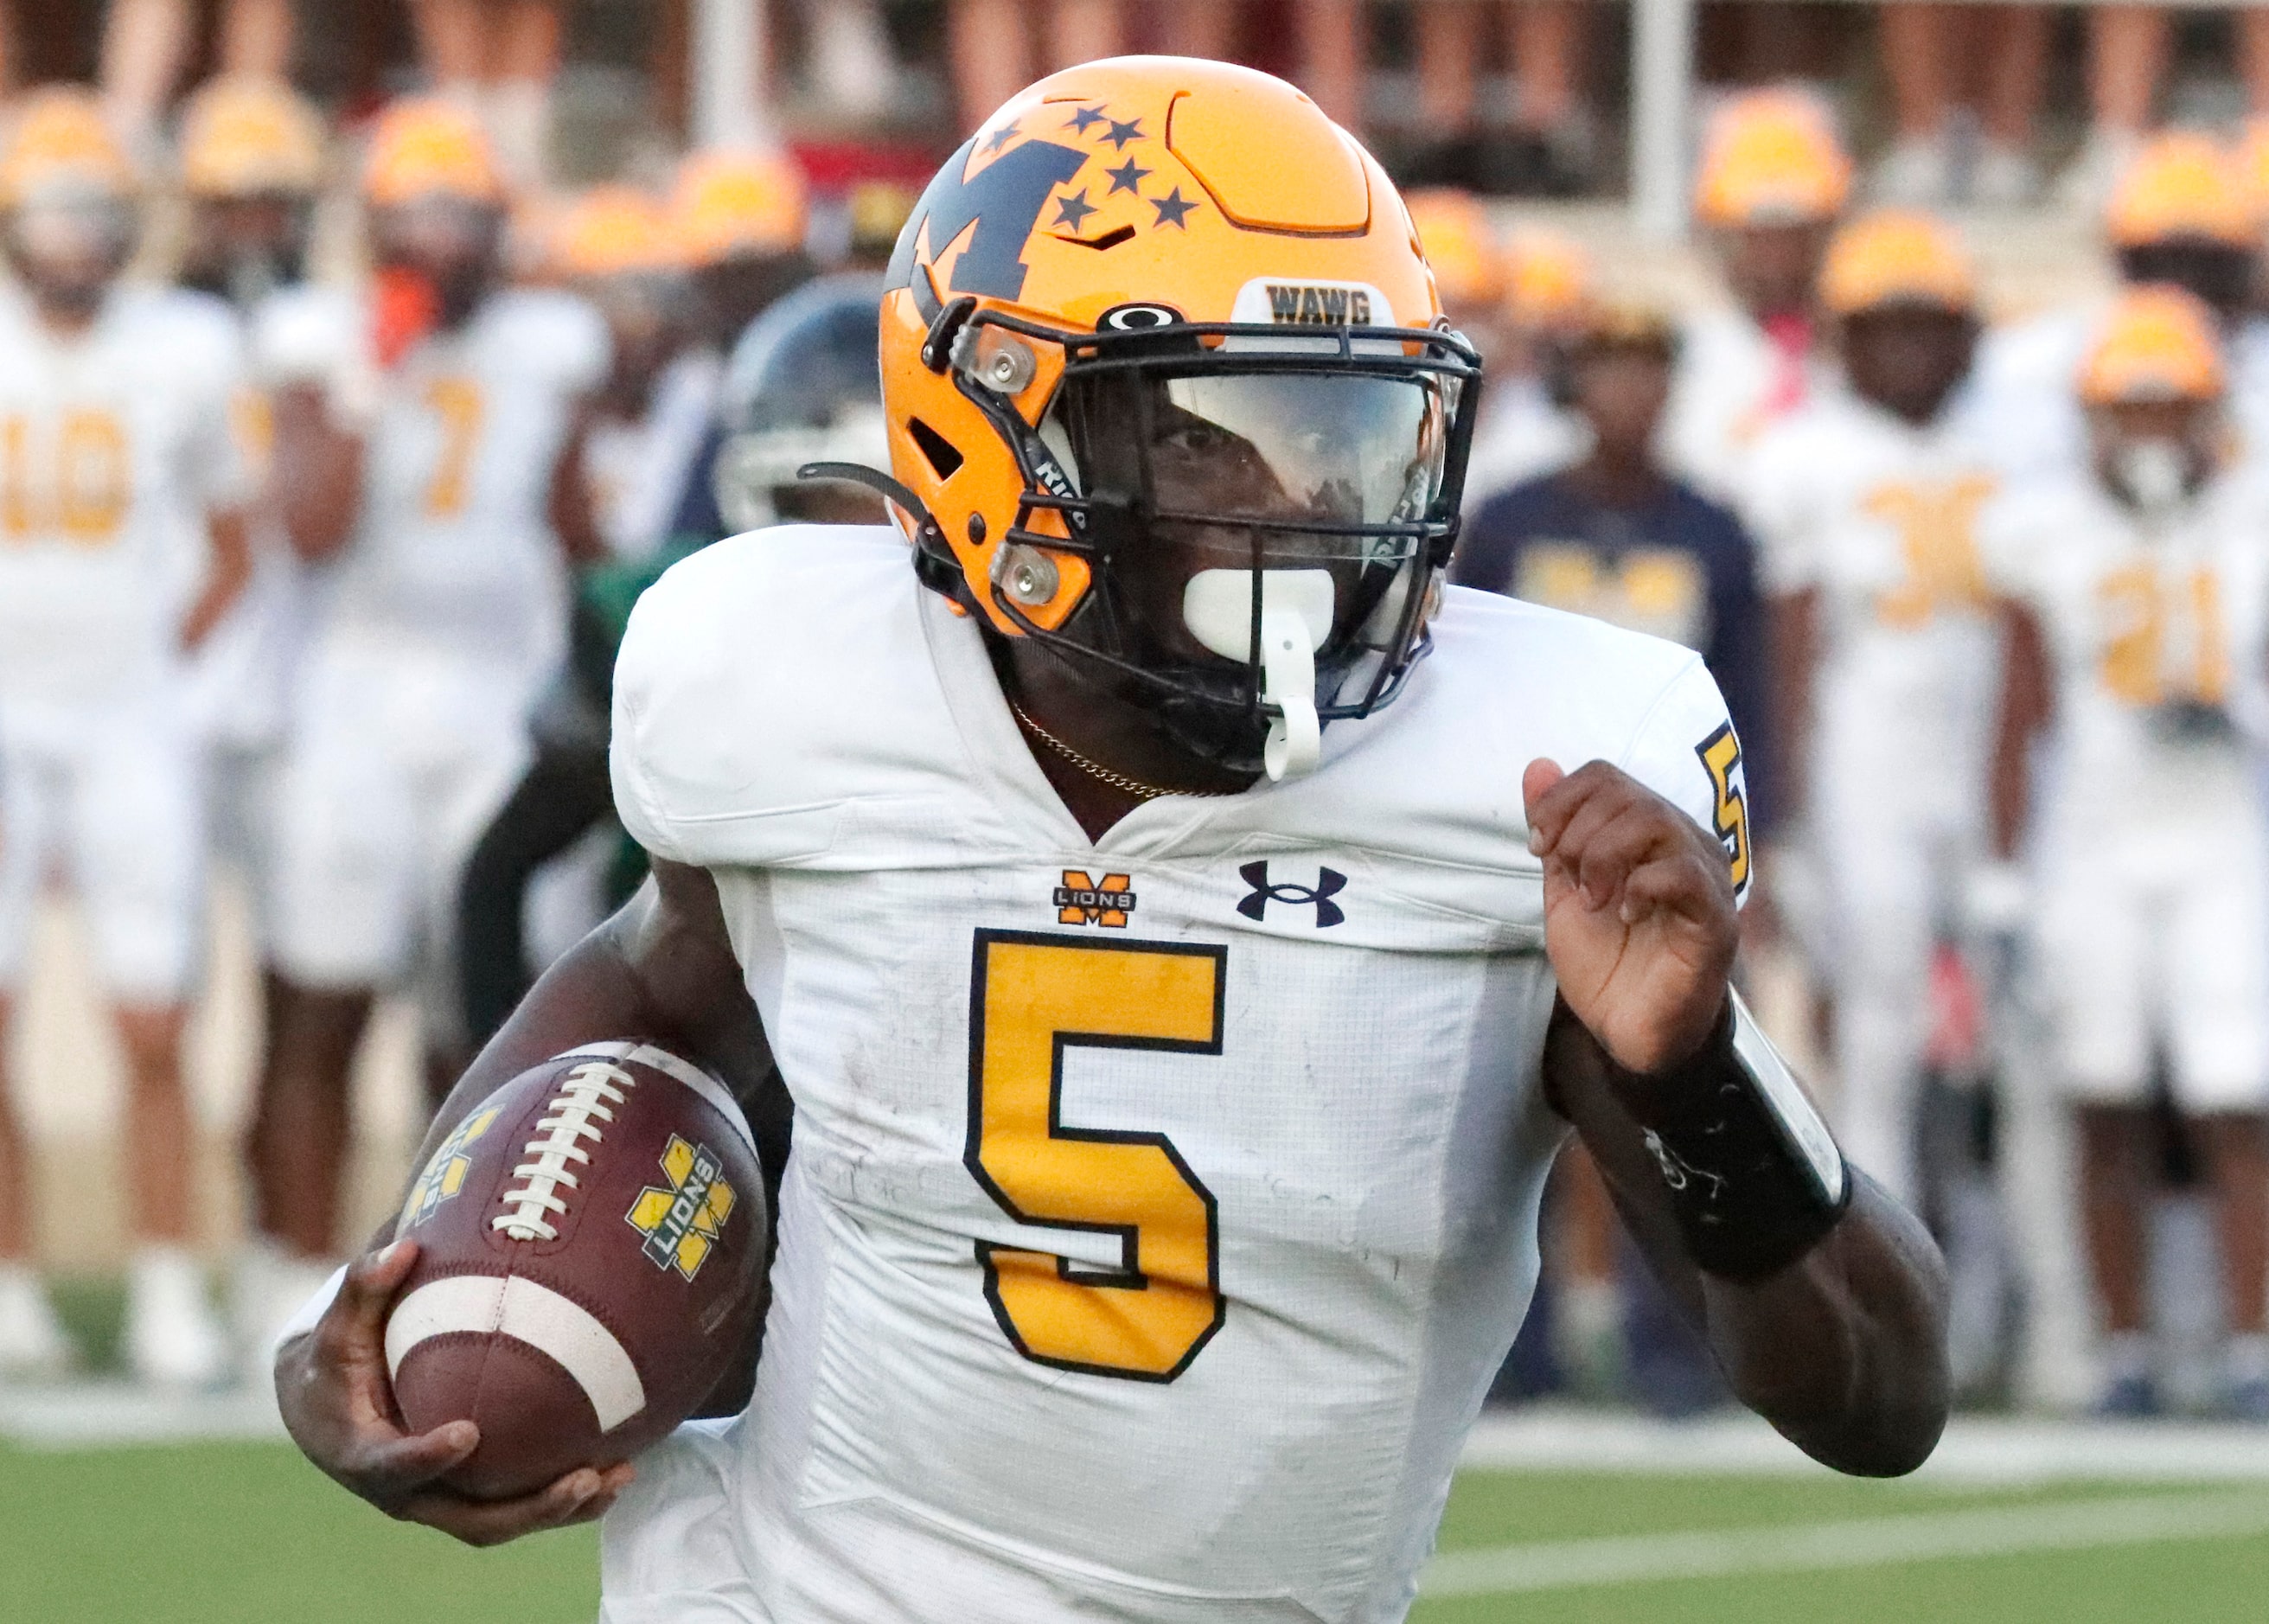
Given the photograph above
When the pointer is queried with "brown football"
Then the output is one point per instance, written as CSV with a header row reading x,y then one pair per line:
x,y
592,1243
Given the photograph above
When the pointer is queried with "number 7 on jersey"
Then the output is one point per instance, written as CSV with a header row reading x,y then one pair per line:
x,y
1032,998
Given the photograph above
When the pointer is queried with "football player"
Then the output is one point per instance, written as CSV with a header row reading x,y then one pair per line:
x,y
2134,600
1529,426
1173,1079
251,159
1773,181
424,468
122,544
2181,213
646,424
1865,503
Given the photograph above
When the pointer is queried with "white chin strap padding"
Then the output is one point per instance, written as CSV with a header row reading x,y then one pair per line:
x,y
1296,617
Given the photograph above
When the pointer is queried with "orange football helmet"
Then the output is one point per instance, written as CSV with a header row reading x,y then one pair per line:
x,y
1772,158
60,147
613,230
1120,324
2183,185
2157,343
1461,246
426,147
729,203
246,136
1898,256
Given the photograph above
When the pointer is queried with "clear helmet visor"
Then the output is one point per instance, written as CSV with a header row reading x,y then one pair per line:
x,y
1337,449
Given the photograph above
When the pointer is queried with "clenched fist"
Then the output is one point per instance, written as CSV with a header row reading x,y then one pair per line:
x,y
1639,919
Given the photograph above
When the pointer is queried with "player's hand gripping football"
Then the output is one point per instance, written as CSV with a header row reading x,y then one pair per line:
x,y
339,1404
1639,920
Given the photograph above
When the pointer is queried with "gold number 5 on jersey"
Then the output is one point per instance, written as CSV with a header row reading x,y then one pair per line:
x,y
1031,999
1721,755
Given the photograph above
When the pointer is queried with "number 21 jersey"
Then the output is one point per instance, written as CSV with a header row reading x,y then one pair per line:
x,y
1160,1205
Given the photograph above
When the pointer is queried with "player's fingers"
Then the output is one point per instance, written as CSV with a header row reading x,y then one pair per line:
x,y
388,1466
1536,780
1678,881
360,1312
1561,809
493,1522
1607,855
1600,806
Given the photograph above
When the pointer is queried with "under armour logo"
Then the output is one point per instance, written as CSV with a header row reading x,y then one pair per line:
x,y
1329,883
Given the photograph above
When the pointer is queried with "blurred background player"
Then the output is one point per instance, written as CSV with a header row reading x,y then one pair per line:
x,y
251,162
804,385
1865,502
1772,183
739,220
1618,537
425,467
121,510
2134,591
2182,212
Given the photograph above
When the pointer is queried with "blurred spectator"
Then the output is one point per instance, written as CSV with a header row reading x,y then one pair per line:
x,y
1527,426
1618,537
496,59
145,47
2132,585
852,67
2182,211
1864,501
122,471
1992,58
1772,181
992,42
1548,145
251,158
424,455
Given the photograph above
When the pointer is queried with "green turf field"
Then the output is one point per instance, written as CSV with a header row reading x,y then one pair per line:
x,y
248,1534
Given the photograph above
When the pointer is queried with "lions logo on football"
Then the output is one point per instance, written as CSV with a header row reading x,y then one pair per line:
x,y
681,1221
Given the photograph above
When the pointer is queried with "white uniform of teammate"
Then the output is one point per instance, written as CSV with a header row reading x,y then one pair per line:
x,y
114,447
1733,382
1309,1106
1878,517
432,630
2153,865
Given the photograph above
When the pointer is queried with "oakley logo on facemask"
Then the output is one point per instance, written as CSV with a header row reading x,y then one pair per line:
x,y
1003,201
1329,883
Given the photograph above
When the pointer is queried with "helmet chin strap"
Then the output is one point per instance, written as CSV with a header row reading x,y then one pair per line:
x,y
1296,617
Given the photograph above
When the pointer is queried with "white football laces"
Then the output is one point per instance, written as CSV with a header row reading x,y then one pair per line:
x,y
572,1114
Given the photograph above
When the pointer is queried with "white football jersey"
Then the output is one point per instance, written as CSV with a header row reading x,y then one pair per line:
x,y
114,445
637,472
453,548
1160,1205
2151,629
1733,382
1880,518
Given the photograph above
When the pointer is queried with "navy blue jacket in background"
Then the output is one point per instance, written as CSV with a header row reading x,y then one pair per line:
x,y
1680,567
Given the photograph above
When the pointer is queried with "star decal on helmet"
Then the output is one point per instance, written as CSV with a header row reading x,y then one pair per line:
x,y
1001,136
1124,178
1073,210
1086,119
1172,209
1119,135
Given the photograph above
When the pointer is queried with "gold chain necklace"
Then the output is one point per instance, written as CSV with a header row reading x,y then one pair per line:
x,y
1096,770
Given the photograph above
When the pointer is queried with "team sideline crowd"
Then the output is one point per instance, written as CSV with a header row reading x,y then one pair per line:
x,y
320,579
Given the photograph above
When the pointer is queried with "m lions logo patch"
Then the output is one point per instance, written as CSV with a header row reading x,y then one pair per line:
x,y
683,1220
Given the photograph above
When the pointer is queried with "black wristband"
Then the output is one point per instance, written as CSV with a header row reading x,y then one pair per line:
x,y
1754,1177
